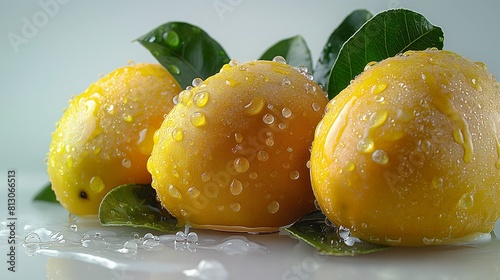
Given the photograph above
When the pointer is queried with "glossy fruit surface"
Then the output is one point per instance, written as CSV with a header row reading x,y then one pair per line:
x,y
232,154
409,153
105,136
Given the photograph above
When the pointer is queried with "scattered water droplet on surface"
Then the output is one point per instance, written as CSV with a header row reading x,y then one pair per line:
x,y
235,206
268,119
365,146
294,175
96,184
173,191
178,134
273,207
380,157
255,106
286,82
236,187
286,112
171,38
126,163
196,82
200,99
241,164
262,155
279,59
198,119
466,201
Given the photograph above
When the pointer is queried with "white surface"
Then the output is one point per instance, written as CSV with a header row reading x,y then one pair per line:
x,y
82,39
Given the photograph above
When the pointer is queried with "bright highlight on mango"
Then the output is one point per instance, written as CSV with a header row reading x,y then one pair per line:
x,y
105,136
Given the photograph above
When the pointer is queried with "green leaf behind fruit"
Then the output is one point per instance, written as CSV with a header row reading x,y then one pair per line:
x,y
185,50
294,50
46,194
313,230
385,35
136,206
340,35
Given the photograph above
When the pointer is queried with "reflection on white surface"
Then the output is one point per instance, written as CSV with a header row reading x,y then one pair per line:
x,y
86,250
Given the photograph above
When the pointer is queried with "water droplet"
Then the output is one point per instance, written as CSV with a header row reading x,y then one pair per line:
x,y
70,161
238,137
173,191
233,62
200,99
310,88
253,175
268,118
173,69
241,164
198,119
196,82
126,163
185,96
236,187
171,38
349,166
192,237
286,112
205,176
127,117
366,146
286,82
235,206
380,157
437,182
96,184
315,106
369,65
262,155
279,59
177,134
273,207
378,118
73,228
193,192
378,88
379,99
294,175
130,247
180,236
255,106
232,82
466,201
270,141
109,108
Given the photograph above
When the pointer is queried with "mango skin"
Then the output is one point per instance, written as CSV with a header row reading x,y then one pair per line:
x,y
409,155
232,154
105,136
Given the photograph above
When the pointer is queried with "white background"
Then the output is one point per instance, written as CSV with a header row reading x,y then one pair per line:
x,y
74,42
84,39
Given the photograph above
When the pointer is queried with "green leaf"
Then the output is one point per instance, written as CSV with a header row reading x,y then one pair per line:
x,y
185,50
136,206
294,50
313,230
46,194
385,35
340,35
